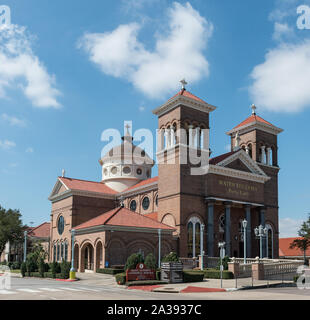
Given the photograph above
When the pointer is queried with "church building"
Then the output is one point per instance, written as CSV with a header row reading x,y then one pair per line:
x,y
129,211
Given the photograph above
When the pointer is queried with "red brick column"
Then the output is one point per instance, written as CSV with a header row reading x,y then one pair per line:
x,y
233,267
258,270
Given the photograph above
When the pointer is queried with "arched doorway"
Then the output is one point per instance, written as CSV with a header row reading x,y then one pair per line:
x,y
87,257
193,237
99,256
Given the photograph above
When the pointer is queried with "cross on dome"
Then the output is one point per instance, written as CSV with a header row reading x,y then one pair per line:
x,y
253,107
184,83
127,126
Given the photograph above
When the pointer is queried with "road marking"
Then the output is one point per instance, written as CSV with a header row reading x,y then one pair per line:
x,y
28,290
7,292
50,289
70,289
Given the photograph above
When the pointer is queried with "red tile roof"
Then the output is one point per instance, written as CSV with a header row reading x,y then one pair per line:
x,y
41,231
187,94
92,186
286,251
142,183
251,119
153,215
221,157
125,218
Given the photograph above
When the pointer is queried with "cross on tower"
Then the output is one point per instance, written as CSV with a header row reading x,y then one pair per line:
x,y
253,107
127,126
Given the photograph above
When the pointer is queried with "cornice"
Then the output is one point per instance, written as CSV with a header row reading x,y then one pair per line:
x,y
256,125
145,188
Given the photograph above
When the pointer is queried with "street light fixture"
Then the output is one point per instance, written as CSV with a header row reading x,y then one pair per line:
x,y
221,245
260,232
202,253
244,225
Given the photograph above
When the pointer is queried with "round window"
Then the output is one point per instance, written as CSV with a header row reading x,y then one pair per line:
x,y
61,224
133,205
146,203
114,170
126,170
139,171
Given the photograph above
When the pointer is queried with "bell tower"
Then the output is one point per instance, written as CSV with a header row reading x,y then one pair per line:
x,y
183,146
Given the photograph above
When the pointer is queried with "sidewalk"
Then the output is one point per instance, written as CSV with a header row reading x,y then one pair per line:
x,y
211,285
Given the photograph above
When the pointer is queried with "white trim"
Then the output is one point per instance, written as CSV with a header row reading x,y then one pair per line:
x,y
84,193
187,102
141,189
246,160
215,169
256,125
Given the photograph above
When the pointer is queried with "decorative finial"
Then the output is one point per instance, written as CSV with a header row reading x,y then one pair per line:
x,y
184,83
253,107
63,172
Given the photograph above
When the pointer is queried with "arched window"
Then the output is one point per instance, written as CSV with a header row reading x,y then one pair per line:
x,y
145,203
61,251
58,251
193,237
133,205
250,150
66,251
269,241
55,249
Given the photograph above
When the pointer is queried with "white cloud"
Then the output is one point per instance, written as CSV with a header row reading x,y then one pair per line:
x,y
6,144
29,150
20,67
178,52
141,108
13,121
282,31
282,82
289,227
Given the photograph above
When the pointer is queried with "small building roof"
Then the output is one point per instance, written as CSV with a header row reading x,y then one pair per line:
x,y
41,231
124,217
286,251
85,185
252,118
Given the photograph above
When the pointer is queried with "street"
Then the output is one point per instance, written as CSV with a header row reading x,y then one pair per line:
x,y
103,288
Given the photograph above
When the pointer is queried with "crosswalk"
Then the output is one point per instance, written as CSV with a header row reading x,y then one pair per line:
x,y
54,290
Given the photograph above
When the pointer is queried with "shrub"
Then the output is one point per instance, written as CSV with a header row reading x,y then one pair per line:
x,y
65,267
31,264
23,269
150,261
193,276
16,265
216,274
133,260
120,278
41,268
171,257
225,261
110,271
3,263
55,268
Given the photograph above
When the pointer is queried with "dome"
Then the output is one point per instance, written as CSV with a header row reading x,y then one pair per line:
x,y
125,165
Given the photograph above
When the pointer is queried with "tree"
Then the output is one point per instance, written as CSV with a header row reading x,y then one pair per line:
x,y
303,243
11,228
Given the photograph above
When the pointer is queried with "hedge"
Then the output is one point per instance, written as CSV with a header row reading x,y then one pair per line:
x,y
193,276
121,278
110,271
145,283
216,274
46,275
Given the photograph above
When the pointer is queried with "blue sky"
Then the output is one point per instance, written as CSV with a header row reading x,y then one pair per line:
x,y
60,87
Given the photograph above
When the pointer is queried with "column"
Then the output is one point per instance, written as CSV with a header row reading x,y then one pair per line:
x,y
227,228
268,157
161,140
205,139
191,135
210,229
172,135
263,155
262,222
198,137
248,231
247,150
167,141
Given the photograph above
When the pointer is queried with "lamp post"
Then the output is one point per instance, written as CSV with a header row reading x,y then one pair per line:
x,y
202,253
72,270
260,232
221,245
244,225
25,245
